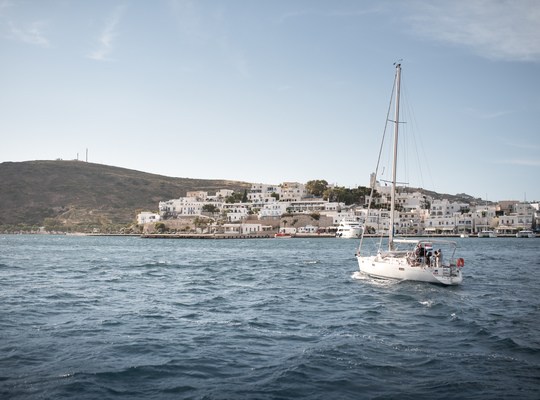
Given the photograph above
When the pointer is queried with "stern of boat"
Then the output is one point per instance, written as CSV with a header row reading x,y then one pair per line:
x,y
448,274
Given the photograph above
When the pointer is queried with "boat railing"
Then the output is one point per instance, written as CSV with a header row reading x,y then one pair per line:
x,y
393,253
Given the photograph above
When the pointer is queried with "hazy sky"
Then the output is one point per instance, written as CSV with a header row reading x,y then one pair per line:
x,y
273,91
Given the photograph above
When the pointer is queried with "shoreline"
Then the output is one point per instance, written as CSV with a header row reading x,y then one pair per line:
x,y
294,236
262,235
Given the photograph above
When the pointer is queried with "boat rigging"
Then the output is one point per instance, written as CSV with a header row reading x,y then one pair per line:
x,y
426,260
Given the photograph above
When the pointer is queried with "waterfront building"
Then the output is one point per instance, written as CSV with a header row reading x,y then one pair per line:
x,y
244,228
181,207
484,218
520,217
235,212
147,217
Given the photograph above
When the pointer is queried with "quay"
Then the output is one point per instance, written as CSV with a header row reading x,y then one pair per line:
x,y
265,235
204,236
270,235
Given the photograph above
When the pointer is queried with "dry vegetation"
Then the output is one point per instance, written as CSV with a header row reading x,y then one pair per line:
x,y
80,196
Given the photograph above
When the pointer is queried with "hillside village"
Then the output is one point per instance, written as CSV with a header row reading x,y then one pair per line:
x,y
297,208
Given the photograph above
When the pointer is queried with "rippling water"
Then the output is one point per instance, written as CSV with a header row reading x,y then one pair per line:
x,y
111,317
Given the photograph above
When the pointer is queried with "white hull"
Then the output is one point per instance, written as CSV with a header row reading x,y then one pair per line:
x,y
399,268
349,234
526,234
485,234
349,229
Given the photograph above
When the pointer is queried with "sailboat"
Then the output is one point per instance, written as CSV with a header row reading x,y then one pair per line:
x,y
425,260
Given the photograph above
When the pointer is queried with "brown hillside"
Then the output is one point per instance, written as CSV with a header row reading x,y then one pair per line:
x,y
80,196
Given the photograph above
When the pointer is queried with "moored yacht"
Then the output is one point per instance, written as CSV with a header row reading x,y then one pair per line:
x,y
487,234
349,228
526,234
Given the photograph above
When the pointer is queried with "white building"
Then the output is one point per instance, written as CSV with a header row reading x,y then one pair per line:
x,y
197,195
292,191
261,193
309,206
484,218
444,208
307,229
440,224
378,220
181,207
235,212
275,209
412,201
243,229
221,195
146,217
464,223
521,218
338,216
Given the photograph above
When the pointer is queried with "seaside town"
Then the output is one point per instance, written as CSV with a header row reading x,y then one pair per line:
x,y
312,209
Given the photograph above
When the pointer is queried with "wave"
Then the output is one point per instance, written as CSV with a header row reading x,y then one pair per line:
x,y
260,319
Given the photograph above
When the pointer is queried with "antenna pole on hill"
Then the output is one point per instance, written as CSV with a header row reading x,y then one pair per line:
x,y
87,154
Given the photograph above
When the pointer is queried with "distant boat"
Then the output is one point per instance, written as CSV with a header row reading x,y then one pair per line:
x,y
349,228
487,234
526,234
285,232
415,260
282,235
464,235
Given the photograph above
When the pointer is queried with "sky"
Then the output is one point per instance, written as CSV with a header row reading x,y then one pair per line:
x,y
275,91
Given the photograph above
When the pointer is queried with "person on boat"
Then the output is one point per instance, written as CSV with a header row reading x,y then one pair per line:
x,y
428,257
420,252
438,257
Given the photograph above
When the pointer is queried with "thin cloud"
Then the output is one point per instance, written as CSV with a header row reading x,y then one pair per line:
x,y
336,13
234,56
32,34
4,5
523,146
488,115
283,88
207,29
187,14
108,36
522,162
504,30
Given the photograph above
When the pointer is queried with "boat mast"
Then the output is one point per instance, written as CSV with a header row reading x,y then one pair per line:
x,y
394,164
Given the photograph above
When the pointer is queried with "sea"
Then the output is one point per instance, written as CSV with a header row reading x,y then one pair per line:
x,y
85,317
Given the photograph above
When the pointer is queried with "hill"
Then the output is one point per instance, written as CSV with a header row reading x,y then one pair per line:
x,y
80,196
460,197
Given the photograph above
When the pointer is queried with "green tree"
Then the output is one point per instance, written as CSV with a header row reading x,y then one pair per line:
x,y
160,227
211,208
316,187
346,195
234,198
